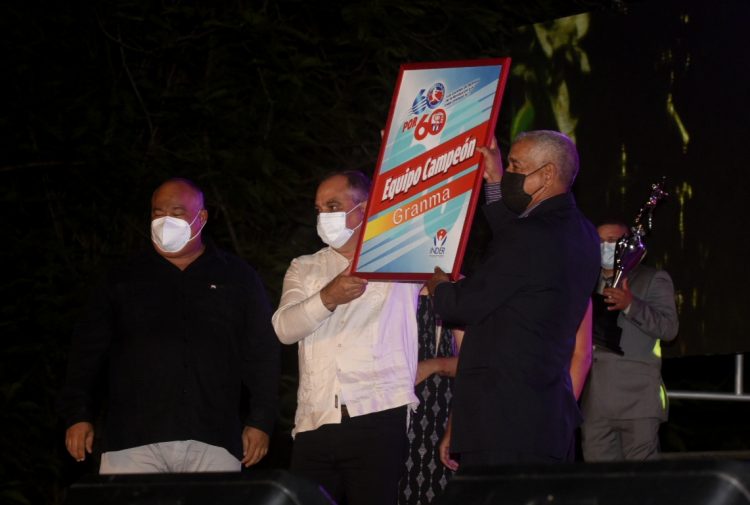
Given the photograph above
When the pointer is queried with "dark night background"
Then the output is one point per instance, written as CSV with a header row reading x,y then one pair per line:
x,y
256,100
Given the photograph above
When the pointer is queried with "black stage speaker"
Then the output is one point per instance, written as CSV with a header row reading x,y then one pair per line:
x,y
272,487
646,483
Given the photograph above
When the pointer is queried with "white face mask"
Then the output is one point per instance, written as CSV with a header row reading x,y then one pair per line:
x,y
332,228
608,255
171,234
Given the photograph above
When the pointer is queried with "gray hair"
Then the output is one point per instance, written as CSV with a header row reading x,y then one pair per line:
x,y
560,148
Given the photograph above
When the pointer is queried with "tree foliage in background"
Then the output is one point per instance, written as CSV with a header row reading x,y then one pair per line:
x,y
253,100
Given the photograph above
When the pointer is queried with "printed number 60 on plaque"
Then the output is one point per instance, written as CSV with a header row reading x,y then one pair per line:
x,y
429,172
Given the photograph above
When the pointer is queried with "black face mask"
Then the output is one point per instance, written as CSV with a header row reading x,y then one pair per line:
x,y
511,187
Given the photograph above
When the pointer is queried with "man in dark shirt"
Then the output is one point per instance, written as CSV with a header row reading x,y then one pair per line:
x,y
177,331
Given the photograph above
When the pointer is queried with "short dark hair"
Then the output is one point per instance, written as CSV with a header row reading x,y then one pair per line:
x,y
613,220
355,179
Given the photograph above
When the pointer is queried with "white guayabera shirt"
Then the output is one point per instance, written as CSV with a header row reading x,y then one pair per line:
x,y
362,355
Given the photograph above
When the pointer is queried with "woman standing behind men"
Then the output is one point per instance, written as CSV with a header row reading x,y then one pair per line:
x,y
425,476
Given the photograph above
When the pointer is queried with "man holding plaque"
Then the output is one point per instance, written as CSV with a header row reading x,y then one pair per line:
x,y
624,400
514,401
357,344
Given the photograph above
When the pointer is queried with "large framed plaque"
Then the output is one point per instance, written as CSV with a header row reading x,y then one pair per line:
x,y
429,172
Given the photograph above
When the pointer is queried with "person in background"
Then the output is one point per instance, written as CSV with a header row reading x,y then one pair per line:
x,y
624,400
425,477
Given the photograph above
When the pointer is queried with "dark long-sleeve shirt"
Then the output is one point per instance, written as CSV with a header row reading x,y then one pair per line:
x,y
176,348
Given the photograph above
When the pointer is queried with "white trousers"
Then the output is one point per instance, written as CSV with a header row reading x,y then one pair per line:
x,y
170,457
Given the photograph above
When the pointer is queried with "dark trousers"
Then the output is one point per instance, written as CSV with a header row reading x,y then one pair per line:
x,y
497,457
358,462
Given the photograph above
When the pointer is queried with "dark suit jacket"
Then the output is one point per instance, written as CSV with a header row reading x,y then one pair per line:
x,y
521,309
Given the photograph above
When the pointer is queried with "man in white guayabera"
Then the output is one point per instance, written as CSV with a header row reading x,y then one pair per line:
x,y
357,344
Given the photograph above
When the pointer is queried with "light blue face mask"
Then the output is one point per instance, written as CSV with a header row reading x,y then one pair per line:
x,y
608,254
